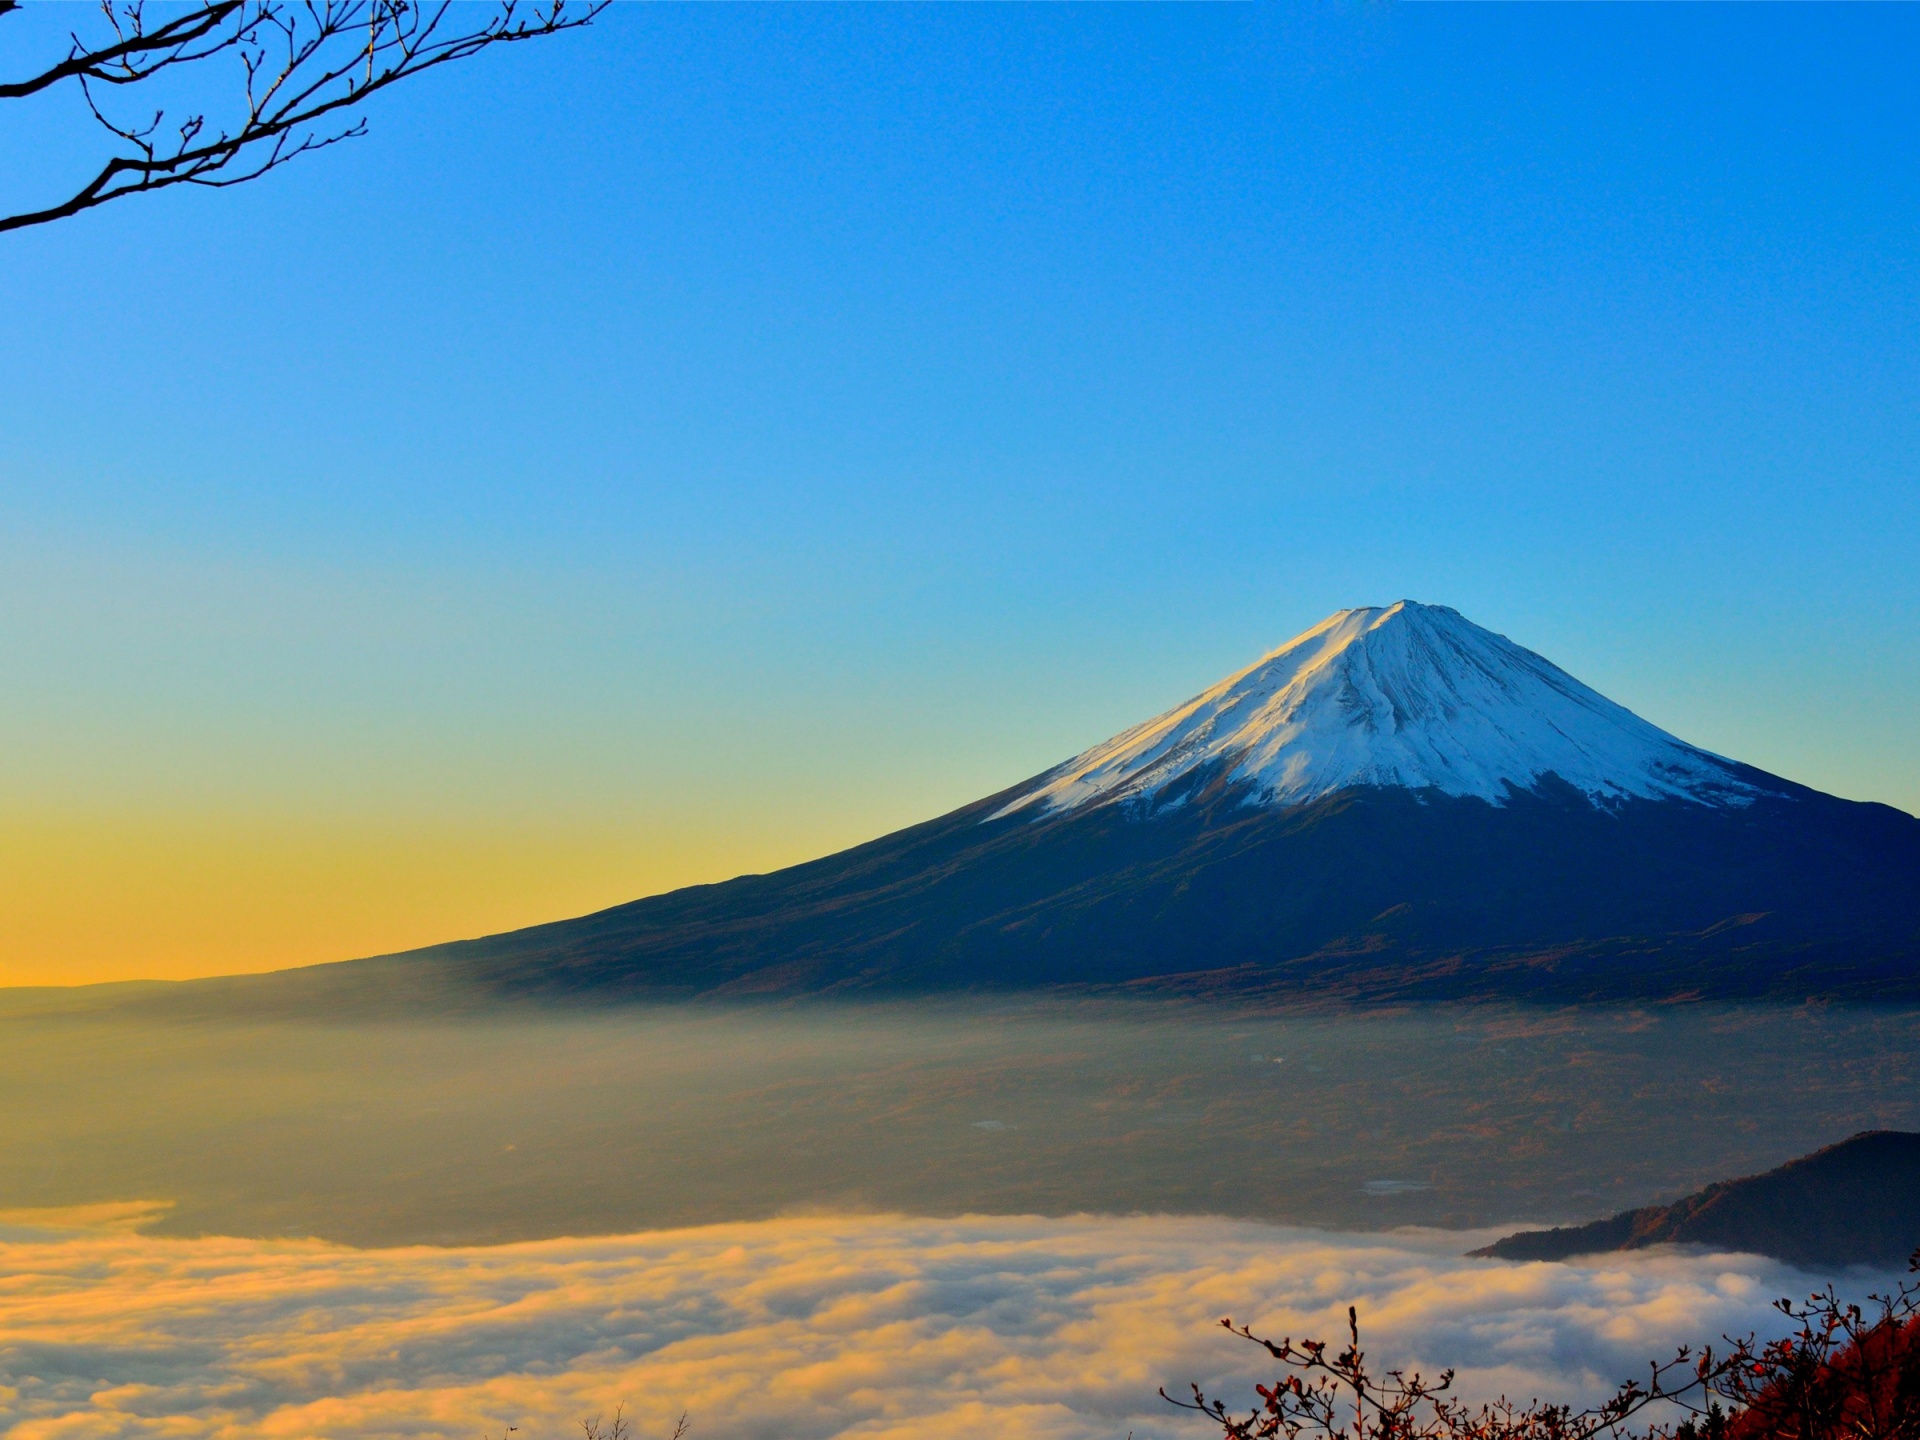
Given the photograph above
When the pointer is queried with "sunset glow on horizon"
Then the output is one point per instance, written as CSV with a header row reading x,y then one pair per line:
x,y
611,486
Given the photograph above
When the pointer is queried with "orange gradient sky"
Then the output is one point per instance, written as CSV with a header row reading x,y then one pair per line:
x,y
137,897
735,432
215,767
225,768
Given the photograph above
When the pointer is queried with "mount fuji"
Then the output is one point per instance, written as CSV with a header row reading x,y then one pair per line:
x,y
1412,697
1395,804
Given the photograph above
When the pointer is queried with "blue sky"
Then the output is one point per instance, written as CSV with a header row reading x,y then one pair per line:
x,y
732,432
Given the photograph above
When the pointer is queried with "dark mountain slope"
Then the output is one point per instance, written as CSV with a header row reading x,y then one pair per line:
x,y
1395,803
1369,891
1855,1203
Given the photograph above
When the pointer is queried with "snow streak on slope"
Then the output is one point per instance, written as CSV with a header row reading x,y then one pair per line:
x,y
1410,695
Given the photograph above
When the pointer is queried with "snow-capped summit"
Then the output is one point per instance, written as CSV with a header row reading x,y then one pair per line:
x,y
1409,695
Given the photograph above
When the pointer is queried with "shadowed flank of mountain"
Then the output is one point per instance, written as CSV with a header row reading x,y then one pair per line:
x,y
1395,806
1855,1203
1372,894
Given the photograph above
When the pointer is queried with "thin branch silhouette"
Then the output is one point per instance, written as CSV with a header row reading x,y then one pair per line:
x,y
300,69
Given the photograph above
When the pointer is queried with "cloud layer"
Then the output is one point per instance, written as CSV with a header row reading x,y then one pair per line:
x,y
879,1327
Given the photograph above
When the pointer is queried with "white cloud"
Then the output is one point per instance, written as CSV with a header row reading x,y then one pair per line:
x,y
878,1327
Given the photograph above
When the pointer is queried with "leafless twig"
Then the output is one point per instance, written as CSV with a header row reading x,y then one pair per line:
x,y
303,69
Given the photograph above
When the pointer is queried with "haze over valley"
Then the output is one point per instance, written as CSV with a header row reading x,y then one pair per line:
x,y
521,1127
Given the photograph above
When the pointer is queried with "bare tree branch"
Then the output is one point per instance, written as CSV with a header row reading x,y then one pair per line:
x,y
136,54
304,67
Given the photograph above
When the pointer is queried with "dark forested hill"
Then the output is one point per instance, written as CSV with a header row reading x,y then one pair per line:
x,y
1855,1203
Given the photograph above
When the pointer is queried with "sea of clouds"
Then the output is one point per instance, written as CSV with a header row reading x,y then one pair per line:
x,y
874,1326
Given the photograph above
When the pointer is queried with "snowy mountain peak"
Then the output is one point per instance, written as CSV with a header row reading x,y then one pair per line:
x,y
1409,695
